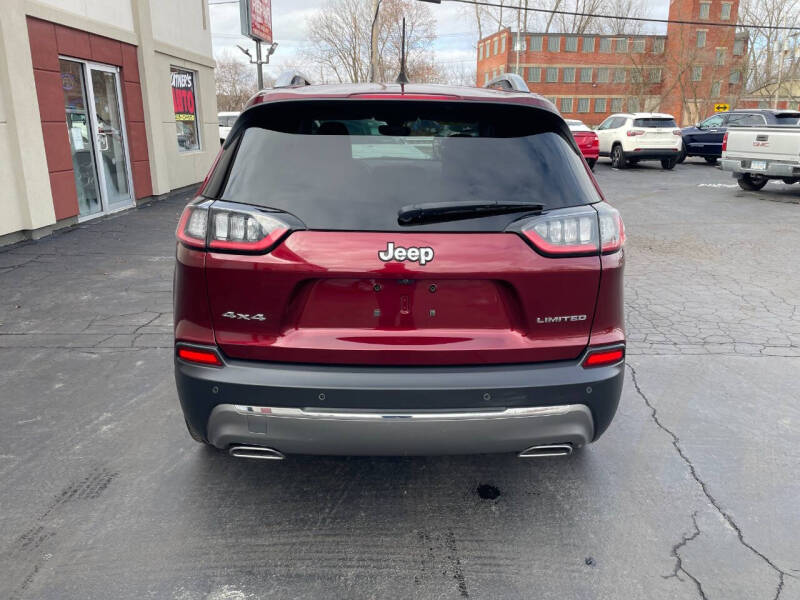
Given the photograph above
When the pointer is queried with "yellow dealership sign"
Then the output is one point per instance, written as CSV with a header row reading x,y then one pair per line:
x,y
722,107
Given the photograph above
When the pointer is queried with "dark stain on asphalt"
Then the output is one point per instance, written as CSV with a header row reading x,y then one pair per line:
x,y
488,492
590,562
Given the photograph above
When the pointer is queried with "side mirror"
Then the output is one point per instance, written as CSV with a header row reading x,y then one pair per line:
x,y
700,126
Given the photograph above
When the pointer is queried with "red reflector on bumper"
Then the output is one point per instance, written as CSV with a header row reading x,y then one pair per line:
x,y
204,357
602,358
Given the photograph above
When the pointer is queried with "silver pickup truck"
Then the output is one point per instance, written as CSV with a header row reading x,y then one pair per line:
x,y
757,154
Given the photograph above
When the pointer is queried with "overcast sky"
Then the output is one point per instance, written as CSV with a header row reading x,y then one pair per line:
x,y
455,42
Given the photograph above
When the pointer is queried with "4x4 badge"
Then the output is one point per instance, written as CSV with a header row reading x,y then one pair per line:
x,y
244,316
421,254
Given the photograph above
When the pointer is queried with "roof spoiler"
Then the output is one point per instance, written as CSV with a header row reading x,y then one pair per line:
x,y
291,79
509,82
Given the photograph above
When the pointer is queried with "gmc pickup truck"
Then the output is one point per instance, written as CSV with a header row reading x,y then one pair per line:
x,y
757,154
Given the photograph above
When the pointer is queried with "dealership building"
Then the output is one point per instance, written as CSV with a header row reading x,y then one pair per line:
x,y
103,104
686,73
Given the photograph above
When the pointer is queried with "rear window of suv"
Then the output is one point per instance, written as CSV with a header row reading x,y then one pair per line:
x,y
654,122
787,118
353,164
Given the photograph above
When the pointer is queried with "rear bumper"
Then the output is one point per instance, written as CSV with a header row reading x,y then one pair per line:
x,y
314,409
774,169
652,153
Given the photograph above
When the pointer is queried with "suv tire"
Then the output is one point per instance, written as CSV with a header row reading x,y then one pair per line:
x,y
669,163
752,183
712,160
591,162
682,155
617,157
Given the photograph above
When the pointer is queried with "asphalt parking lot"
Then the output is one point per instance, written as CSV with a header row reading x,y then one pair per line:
x,y
692,493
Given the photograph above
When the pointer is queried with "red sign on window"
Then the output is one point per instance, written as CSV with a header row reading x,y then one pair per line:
x,y
256,16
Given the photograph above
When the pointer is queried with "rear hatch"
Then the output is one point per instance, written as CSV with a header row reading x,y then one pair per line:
x,y
656,132
344,281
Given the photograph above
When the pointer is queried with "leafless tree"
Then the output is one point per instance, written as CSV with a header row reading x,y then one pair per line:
x,y
770,52
235,82
339,37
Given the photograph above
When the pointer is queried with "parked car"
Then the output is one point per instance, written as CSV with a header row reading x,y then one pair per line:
x,y
334,295
587,141
632,137
705,138
757,154
226,121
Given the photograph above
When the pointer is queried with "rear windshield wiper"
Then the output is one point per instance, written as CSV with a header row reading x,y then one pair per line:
x,y
439,212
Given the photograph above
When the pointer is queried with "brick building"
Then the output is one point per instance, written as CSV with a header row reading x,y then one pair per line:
x,y
589,77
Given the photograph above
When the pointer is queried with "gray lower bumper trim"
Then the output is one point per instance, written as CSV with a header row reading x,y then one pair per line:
x,y
398,433
774,169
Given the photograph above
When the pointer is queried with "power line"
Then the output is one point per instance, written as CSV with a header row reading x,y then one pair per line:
x,y
626,18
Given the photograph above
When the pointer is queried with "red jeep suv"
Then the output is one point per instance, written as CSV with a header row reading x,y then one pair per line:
x,y
397,270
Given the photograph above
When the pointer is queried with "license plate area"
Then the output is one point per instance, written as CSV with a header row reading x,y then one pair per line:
x,y
405,304
758,165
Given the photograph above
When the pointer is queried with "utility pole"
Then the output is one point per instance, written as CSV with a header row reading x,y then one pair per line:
x,y
373,42
518,41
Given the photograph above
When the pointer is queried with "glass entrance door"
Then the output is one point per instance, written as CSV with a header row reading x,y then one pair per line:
x,y
97,136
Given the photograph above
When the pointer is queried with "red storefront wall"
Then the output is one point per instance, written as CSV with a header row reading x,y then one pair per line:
x,y
48,41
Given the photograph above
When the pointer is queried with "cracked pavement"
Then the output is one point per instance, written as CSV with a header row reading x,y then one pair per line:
x,y
692,493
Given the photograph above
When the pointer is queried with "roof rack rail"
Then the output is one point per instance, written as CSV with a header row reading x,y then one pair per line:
x,y
508,81
291,79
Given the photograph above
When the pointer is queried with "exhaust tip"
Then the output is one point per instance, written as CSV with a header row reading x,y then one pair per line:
x,y
546,450
257,452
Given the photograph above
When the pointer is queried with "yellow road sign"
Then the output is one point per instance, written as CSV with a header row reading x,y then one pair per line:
x,y
722,107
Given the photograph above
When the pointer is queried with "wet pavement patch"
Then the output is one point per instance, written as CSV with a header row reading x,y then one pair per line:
x,y
488,492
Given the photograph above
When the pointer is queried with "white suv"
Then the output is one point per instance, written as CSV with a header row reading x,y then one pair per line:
x,y
630,137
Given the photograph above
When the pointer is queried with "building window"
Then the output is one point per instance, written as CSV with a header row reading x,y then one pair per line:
x,y
658,45
553,43
638,45
616,104
503,44
600,105
602,75
486,78
536,43
735,77
534,74
583,105
588,44
552,74
716,88
569,74
586,74
738,47
655,75
571,44
636,75
605,45
566,105
480,51
619,75
725,12
701,38
697,73
720,60
633,104
495,46
519,43
622,45
184,101
705,9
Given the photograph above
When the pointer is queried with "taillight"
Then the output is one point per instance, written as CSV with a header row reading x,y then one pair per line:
x,y
193,226
612,229
581,231
635,132
725,142
604,357
199,356
233,227
676,132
